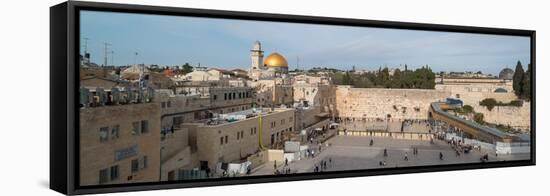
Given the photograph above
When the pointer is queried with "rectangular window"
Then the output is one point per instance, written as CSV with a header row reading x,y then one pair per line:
x,y
114,131
135,165
103,176
238,135
135,128
143,162
226,139
103,134
221,140
163,104
251,131
144,126
114,172
215,97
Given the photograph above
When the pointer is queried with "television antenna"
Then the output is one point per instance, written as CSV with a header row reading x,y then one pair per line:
x,y
105,50
85,45
113,57
135,57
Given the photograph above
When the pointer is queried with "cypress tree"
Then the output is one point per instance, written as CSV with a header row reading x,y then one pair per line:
x,y
518,79
526,90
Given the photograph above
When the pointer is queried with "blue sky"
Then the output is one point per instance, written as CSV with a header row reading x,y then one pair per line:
x,y
223,43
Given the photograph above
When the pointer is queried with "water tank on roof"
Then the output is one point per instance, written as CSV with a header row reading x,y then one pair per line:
x,y
101,95
84,97
131,95
115,95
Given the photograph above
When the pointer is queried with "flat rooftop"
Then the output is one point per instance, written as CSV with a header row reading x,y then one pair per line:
x,y
242,115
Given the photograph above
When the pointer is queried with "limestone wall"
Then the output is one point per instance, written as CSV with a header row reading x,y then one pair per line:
x,y
322,96
516,117
375,103
130,144
473,93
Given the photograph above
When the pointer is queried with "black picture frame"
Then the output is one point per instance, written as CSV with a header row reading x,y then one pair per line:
x,y
64,83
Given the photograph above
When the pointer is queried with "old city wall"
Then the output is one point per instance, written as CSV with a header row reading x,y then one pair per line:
x,y
472,93
372,103
516,117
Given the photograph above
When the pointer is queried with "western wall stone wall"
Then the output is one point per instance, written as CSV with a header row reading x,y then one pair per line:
x,y
369,103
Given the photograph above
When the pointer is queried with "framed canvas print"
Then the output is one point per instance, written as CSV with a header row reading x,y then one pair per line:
x,y
146,97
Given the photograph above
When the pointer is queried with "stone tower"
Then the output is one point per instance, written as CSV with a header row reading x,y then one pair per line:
x,y
257,55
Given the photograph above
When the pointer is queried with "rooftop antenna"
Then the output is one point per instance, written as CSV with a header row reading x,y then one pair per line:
x,y
105,50
135,57
113,57
85,45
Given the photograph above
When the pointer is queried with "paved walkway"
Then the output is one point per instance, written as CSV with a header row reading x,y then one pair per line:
x,y
354,152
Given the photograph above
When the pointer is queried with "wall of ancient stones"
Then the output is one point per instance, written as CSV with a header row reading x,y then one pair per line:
x,y
380,103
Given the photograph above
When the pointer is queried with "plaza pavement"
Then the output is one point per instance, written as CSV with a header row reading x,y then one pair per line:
x,y
354,152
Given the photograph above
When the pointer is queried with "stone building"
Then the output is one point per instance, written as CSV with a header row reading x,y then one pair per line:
x,y
274,65
119,144
178,149
233,138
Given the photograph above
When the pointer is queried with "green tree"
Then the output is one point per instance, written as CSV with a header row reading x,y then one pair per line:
x,y
467,109
479,118
518,80
526,89
385,77
490,103
396,79
347,80
186,68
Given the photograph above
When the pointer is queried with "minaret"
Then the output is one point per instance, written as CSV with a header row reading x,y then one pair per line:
x,y
257,55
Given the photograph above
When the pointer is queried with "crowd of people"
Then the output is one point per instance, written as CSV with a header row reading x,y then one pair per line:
x,y
323,165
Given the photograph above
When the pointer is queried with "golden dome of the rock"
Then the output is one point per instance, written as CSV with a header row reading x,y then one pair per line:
x,y
275,60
